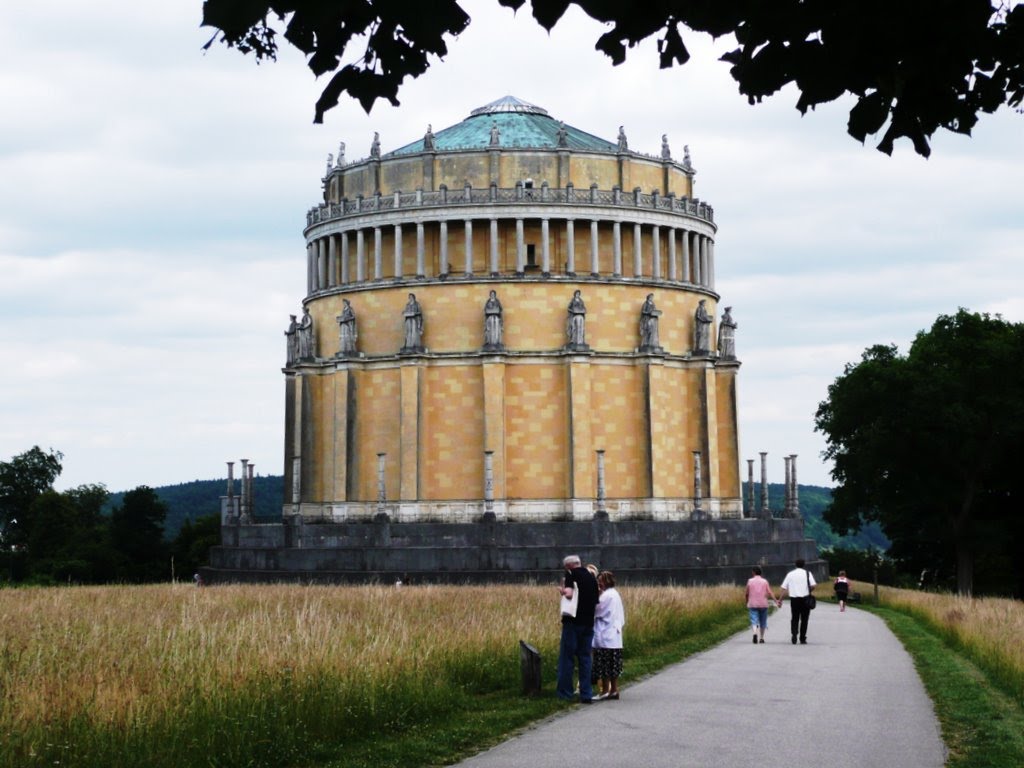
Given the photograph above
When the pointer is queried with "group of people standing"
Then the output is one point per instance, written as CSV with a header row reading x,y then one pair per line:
x,y
592,620
799,584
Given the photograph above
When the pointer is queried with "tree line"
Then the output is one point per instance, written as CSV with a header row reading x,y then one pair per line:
x,y
78,536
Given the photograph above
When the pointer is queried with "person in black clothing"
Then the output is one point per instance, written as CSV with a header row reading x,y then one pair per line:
x,y
577,630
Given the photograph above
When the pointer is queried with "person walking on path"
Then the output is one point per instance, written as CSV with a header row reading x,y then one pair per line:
x,y
580,587
842,590
609,619
759,591
798,584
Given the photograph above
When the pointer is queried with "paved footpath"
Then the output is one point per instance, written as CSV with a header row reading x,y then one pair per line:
x,y
850,698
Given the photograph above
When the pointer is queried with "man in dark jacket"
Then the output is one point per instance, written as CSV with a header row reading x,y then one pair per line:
x,y
577,629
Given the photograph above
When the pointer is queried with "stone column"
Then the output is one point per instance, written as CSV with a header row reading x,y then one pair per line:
x,y
672,271
617,249
249,494
656,252
698,275
231,481
469,246
638,251
378,254
765,511
698,511
321,263
420,251
345,276
787,504
494,248
711,264
443,246
382,493
520,248
360,256
332,261
488,486
570,247
243,502
595,258
751,509
795,494
601,511
398,251
545,248
310,249
705,279
685,242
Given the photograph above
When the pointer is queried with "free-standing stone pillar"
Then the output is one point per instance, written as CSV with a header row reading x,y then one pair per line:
x,y
795,494
398,250
601,513
520,248
378,254
751,509
494,248
595,262
420,251
488,486
345,276
638,251
617,249
698,511
360,255
787,504
672,270
685,242
231,480
469,246
332,261
545,248
656,252
250,505
765,512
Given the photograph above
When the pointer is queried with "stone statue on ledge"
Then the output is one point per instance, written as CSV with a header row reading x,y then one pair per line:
x,y
702,330
623,144
727,336
494,324
347,331
562,137
428,140
649,315
412,318
375,146
495,134
291,338
304,333
341,154
666,153
575,324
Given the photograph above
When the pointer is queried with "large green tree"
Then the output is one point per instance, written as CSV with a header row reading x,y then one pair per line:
x,y
22,480
927,444
137,535
913,66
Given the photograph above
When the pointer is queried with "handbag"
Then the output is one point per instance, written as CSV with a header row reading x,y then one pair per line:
x,y
568,604
811,601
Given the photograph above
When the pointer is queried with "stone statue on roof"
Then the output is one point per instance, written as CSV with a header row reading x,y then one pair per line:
x,y
330,163
666,153
495,134
375,145
623,144
428,139
686,155
341,154
562,135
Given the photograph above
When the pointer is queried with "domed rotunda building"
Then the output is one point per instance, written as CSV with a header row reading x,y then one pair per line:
x,y
511,347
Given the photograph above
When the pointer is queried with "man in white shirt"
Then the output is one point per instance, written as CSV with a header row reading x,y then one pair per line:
x,y
798,584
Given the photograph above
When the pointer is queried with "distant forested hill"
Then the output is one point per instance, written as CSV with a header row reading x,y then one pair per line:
x,y
202,497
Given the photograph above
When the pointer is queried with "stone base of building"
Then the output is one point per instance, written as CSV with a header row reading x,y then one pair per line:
x,y
518,510
383,551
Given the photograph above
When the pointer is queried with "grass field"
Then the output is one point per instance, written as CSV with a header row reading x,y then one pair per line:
x,y
283,675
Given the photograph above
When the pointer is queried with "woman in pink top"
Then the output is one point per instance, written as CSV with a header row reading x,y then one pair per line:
x,y
759,591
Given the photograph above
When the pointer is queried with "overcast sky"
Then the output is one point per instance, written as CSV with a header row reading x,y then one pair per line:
x,y
152,201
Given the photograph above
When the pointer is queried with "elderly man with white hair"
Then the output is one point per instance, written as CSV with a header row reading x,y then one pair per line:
x,y
579,590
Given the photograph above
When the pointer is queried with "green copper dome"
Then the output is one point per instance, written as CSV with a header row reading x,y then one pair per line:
x,y
509,123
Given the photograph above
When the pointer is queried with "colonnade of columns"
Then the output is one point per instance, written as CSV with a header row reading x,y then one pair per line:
x,y
348,257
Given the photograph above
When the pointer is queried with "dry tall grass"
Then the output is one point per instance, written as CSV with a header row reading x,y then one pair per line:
x,y
116,657
990,630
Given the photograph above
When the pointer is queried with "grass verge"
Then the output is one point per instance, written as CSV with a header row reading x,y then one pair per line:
x,y
982,727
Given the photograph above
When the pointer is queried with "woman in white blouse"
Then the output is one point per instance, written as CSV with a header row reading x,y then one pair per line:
x,y
609,619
